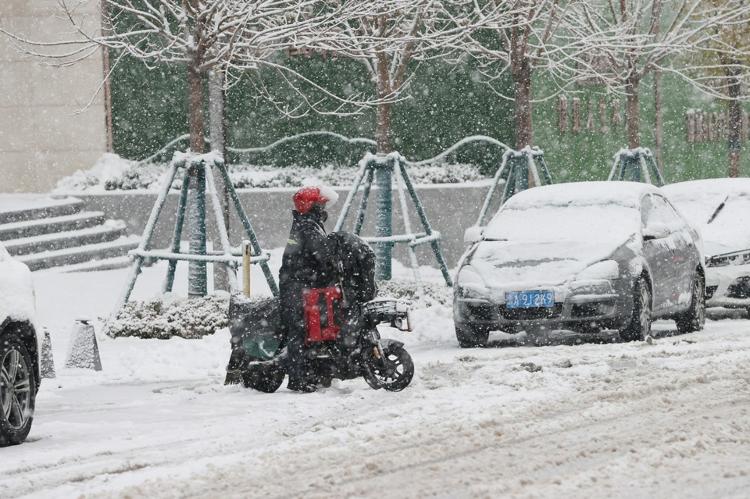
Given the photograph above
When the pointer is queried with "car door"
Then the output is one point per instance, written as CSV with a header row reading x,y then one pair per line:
x,y
685,257
658,250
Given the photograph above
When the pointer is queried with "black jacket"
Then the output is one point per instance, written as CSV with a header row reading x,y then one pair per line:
x,y
308,259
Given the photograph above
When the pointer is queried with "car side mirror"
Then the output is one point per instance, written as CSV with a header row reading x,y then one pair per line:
x,y
655,231
473,234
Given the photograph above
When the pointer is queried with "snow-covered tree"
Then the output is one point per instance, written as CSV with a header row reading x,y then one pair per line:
x,y
390,36
227,35
635,38
727,64
522,38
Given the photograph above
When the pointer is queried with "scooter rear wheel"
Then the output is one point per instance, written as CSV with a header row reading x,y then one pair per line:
x,y
393,373
265,379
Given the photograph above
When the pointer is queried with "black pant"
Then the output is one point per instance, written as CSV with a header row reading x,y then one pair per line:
x,y
293,323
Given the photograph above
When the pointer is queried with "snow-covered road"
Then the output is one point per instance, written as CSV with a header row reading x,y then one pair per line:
x,y
667,419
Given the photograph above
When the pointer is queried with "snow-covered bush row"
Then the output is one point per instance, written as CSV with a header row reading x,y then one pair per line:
x,y
419,296
112,173
166,318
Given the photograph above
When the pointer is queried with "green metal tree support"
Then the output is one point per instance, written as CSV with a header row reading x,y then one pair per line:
x,y
383,170
516,170
198,175
636,165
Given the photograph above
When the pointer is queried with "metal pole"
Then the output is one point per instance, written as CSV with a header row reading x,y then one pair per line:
x,y
350,197
383,217
226,247
148,233
177,236
249,230
363,202
426,224
407,225
197,275
493,188
246,267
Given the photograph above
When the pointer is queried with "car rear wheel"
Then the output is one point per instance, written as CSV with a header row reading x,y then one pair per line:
x,y
695,318
639,326
469,336
17,391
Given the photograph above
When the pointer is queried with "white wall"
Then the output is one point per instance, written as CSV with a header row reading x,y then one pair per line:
x,y
44,132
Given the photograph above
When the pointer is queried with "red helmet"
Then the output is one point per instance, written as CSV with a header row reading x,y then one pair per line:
x,y
307,197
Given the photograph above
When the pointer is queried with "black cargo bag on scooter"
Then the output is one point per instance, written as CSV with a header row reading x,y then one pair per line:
x,y
257,339
357,261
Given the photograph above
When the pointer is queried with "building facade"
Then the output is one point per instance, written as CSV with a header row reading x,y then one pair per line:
x,y
53,120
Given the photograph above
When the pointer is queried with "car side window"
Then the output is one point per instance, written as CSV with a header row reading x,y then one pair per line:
x,y
657,211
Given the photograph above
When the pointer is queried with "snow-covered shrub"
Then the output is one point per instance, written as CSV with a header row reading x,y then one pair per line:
x,y
166,318
112,173
424,295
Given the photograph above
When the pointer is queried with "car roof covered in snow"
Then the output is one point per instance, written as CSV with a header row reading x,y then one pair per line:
x,y
583,193
708,188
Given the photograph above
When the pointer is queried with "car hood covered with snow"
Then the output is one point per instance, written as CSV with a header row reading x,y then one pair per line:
x,y
505,264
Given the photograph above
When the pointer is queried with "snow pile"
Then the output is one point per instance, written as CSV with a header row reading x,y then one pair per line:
x,y
112,173
168,317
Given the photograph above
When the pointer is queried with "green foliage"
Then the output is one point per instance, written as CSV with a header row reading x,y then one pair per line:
x,y
447,103
589,156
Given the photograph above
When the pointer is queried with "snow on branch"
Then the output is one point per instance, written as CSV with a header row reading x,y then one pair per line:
x,y
686,38
229,35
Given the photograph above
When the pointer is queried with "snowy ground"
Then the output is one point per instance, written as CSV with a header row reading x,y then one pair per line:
x,y
667,419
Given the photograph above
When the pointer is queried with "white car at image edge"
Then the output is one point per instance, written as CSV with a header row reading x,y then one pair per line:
x,y
19,350
720,209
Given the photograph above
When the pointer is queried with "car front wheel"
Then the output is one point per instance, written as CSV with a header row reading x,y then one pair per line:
x,y
469,336
695,318
17,391
639,326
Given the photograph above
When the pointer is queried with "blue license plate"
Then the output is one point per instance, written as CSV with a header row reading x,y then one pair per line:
x,y
530,299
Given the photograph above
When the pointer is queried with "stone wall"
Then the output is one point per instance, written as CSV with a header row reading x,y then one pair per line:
x,y
45,132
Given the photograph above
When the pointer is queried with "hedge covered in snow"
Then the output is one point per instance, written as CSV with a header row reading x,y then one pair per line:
x,y
167,317
112,173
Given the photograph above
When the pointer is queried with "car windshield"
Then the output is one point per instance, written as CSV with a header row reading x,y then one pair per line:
x,y
724,221
571,220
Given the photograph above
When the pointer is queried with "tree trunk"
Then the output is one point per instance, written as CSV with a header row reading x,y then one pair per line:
x,y
659,121
632,111
217,126
383,128
524,126
734,127
195,109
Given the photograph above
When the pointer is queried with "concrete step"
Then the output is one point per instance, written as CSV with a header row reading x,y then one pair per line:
x,y
108,231
118,262
31,228
18,208
72,256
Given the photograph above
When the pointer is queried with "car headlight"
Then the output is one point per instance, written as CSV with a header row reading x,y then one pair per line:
x,y
603,270
738,258
592,288
470,284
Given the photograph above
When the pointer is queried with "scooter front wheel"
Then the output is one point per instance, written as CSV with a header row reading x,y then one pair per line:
x,y
265,379
393,372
